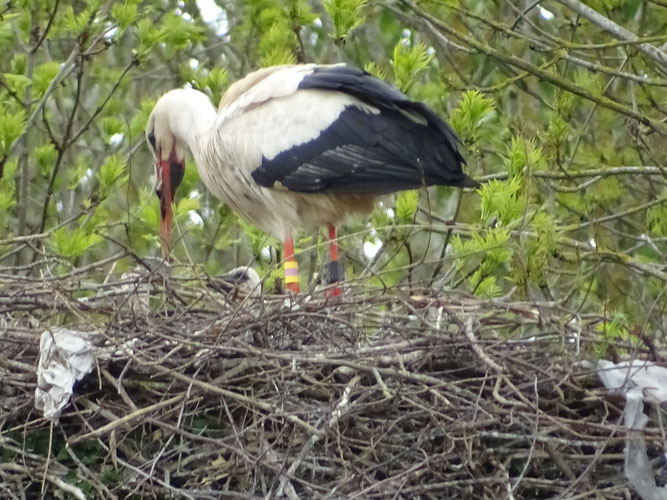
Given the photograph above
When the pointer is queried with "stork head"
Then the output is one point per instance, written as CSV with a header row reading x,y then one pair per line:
x,y
168,148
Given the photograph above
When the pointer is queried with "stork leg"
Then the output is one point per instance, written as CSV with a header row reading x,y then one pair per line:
x,y
291,266
335,271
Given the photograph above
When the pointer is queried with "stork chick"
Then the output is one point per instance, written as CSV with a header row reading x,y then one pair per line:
x,y
301,145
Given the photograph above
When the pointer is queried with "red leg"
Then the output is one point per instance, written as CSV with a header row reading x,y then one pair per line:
x,y
335,271
291,267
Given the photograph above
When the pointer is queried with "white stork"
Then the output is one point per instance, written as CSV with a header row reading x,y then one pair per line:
x,y
301,145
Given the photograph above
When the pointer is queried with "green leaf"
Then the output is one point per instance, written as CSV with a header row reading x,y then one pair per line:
x,y
375,70
656,219
471,114
140,119
46,156
179,32
17,83
485,286
75,23
185,205
148,35
258,238
523,153
75,174
111,173
300,12
19,63
124,14
406,205
11,126
8,188
409,63
110,126
43,76
278,45
346,15
7,36
72,244
502,201
217,81
494,246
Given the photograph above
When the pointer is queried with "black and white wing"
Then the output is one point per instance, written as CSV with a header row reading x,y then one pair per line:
x,y
313,129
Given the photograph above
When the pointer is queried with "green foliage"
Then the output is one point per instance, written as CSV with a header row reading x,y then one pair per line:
x,y
278,46
474,109
76,174
11,126
531,262
217,81
46,157
300,12
111,174
521,236
614,332
18,63
258,239
148,36
7,192
346,15
278,24
656,218
17,83
488,255
485,286
43,76
375,70
7,36
556,135
75,23
124,14
72,244
140,118
501,202
409,64
179,33
406,205
111,126
523,153
607,191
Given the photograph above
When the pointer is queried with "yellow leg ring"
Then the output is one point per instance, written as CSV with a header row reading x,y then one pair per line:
x,y
291,271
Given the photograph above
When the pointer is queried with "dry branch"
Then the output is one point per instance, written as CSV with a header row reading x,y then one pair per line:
x,y
366,397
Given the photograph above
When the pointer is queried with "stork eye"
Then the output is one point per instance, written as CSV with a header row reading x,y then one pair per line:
x,y
151,139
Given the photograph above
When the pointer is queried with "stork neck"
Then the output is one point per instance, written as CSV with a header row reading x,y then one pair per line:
x,y
194,122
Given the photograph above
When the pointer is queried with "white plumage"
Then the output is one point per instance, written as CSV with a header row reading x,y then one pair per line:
x,y
298,145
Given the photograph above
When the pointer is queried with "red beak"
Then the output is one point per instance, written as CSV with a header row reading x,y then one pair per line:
x,y
171,174
166,213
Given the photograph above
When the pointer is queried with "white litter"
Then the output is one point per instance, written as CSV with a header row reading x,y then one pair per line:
x,y
639,380
65,356
648,378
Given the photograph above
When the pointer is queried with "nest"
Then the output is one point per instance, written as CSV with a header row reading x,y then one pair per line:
x,y
398,393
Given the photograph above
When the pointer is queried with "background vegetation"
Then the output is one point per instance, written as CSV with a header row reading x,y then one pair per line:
x,y
561,107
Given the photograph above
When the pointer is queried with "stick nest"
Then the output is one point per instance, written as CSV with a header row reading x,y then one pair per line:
x,y
399,393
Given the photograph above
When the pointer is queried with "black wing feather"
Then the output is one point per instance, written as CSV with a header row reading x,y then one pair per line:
x,y
361,152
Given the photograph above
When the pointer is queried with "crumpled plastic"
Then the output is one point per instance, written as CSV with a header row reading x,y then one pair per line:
x,y
65,356
639,380
650,378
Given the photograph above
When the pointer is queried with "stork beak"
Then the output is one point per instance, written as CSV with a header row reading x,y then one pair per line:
x,y
171,174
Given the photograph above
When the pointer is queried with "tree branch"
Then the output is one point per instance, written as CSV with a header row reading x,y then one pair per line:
x,y
552,78
619,32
